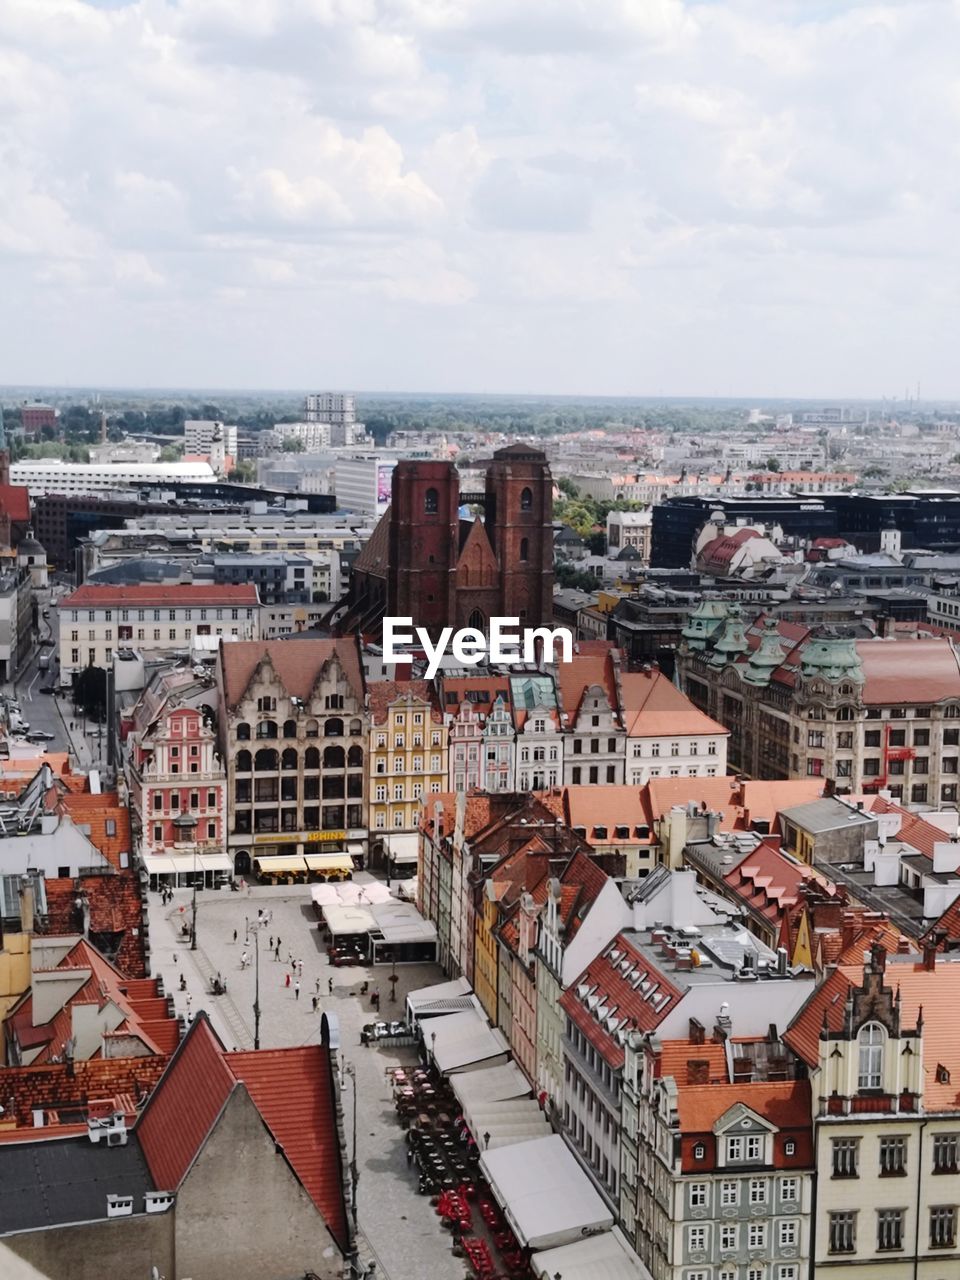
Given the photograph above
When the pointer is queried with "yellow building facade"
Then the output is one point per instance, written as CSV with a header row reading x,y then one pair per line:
x,y
407,761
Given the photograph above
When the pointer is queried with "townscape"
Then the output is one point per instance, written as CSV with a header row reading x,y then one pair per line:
x,y
638,963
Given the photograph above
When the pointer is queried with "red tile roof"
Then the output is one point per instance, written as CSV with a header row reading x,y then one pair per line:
x,y
382,694
299,664
785,1104
769,881
60,1087
908,670
15,502
480,691
739,804
93,594
676,1055
96,812
116,916
914,828
936,991
654,707
609,998
293,1091
591,664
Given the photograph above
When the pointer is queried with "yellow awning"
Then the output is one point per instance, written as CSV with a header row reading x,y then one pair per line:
x,y
328,862
279,866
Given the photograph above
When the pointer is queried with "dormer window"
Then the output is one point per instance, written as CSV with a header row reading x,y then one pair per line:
x,y
870,1071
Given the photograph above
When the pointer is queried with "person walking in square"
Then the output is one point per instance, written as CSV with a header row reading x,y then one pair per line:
x,y
316,1002
276,952
318,984
296,989
286,980
330,985
271,944
234,937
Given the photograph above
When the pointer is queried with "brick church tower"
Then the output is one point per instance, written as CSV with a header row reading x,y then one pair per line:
x,y
519,524
424,543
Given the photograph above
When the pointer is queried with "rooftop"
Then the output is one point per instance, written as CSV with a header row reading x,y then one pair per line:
x,y
91,595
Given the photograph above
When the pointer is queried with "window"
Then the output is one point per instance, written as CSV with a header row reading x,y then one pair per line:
x,y
843,1231
757,1235
431,502
699,1151
696,1239
921,737
890,1229
945,1152
918,793
943,1227
698,1194
526,500
893,1157
758,1191
524,548
870,1073
755,1273
729,1194
729,1237
815,768
871,738
789,1190
846,1156
788,1233
739,1148
157,835
787,1272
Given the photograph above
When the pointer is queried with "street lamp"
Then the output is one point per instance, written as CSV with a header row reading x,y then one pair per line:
x,y
185,826
256,993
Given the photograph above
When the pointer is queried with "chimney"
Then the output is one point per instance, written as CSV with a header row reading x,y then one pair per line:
x,y
848,930
698,1071
697,1031
878,957
829,788
26,905
930,955
781,962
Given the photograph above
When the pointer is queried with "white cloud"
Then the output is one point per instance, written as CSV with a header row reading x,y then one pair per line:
x,y
570,195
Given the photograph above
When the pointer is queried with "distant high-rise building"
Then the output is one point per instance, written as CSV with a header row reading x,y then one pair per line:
x,y
339,410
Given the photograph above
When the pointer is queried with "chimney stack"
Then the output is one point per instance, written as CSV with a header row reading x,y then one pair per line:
x,y
930,955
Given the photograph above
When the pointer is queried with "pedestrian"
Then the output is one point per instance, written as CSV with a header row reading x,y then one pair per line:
x,y
278,943
296,989
286,982
290,958
299,968
189,1001
234,937
330,985
271,943
276,952
244,960
315,1003
318,984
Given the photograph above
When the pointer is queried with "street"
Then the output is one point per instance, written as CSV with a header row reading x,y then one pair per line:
x,y
396,1222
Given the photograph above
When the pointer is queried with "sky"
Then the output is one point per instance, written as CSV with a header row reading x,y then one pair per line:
x,y
578,197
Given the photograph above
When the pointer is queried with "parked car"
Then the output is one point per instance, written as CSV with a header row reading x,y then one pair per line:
x,y
48,688
40,735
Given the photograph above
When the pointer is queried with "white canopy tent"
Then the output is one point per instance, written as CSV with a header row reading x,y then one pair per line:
x,y
603,1257
442,997
500,1124
349,892
464,1041
490,1085
545,1195
403,847
345,920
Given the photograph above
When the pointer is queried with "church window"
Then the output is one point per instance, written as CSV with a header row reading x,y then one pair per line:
x,y
524,548
526,500
477,620
431,502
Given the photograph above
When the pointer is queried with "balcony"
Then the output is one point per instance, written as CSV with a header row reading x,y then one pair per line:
x,y
869,1104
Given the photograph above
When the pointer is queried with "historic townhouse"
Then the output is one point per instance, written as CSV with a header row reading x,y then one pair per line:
x,y
591,714
716,1157
879,1039
873,714
517,1003
99,619
407,760
176,779
667,736
539,741
467,705
294,733
498,747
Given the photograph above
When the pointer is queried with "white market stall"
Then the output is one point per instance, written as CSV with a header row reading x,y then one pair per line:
x,y
490,1085
602,1257
464,1042
545,1195
441,998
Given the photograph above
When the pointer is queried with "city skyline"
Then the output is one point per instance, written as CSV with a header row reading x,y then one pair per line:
x,y
614,199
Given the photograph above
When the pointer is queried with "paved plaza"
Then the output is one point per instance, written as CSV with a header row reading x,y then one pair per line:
x,y
400,1229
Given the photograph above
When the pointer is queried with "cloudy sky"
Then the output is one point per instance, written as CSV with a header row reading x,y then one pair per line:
x,y
627,197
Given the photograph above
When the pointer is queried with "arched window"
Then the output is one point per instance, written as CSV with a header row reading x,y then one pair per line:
x,y
526,499
355,757
431,502
289,758
243,732
846,713
267,729
524,548
289,728
333,758
313,729
242,762
870,1042
477,621
266,760
356,727
311,758
333,728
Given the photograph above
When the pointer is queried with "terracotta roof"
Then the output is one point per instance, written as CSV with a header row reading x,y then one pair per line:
x,y
146,1012
591,664
914,828
190,1096
480,691
739,804
604,1003
60,1087
718,553
675,1055
374,557
948,924
92,594
96,812
937,991
654,707
908,670
607,807
383,693
785,1104
769,881
298,664
116,916
293,1091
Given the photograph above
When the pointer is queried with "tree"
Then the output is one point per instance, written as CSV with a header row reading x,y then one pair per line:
x,y
773,464
170,453
292,445
244,472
